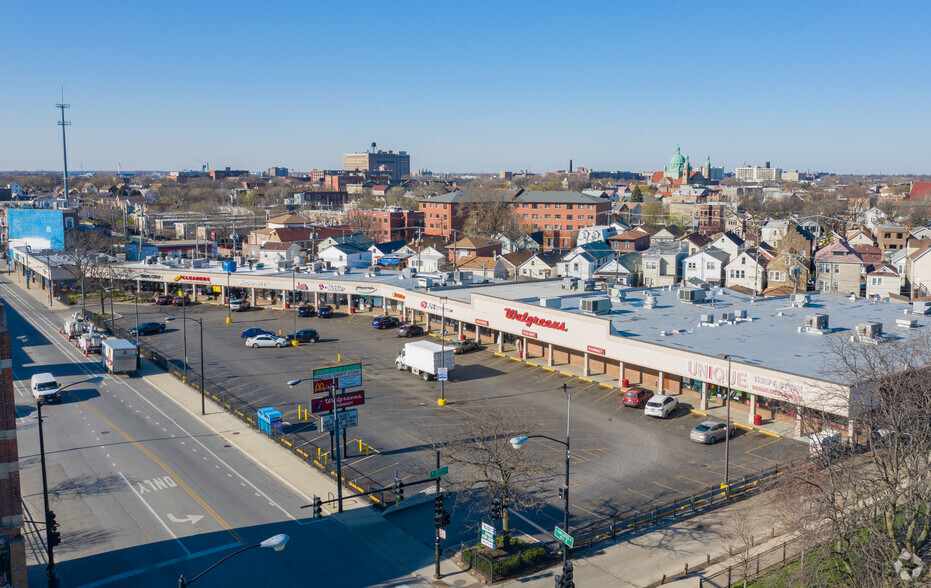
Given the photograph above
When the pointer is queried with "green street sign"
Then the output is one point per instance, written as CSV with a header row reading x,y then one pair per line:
x,y
563,536
434,474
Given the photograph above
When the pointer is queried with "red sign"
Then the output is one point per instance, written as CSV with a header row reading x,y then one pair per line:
x,y
481,322
530,334
597,350
342,401
530,320
192,278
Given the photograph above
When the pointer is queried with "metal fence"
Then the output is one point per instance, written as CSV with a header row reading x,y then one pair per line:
x,y
304,449
499,568
787,552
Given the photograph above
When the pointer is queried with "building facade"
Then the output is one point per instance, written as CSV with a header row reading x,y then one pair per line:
x,y
12,544
395,164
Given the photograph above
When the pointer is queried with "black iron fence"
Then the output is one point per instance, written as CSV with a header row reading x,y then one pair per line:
x,y
304,449
753,566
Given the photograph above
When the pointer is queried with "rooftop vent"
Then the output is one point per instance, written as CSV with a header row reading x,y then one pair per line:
x,y
816,321
551,302
707,318
649,301
904,323
920,307
618,293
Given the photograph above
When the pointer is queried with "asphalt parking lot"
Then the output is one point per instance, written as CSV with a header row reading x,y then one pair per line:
x,y
622,461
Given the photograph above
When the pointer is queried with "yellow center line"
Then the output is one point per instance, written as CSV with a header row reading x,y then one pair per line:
x,y
669,488
169,471
594,514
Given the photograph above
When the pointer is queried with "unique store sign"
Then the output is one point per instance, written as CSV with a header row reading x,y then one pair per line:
x,y
530,320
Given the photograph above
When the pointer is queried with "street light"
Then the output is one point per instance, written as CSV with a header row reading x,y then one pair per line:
x,y
277,543
727,427
517,442
110,290
52,537
200,322
442,400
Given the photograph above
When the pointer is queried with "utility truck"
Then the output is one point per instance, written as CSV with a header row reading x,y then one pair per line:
x,y
74,327
424,359
90,342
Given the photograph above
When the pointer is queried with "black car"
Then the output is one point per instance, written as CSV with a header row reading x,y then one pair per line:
x,y
305,310
304,336
325,311
410,331
385,322
148,328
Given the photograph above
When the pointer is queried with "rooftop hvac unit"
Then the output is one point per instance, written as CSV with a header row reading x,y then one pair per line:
x,y
649,301
708,317
742,314
570,283
551,302
199,263
188,263
800,300
728,317
905,323
871,330
619,293
693,295
375,269
407,272
425,282
599,305
588,285
920,307
816,321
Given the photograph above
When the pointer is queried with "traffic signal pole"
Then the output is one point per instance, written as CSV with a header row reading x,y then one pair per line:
x,y
439,510
49,516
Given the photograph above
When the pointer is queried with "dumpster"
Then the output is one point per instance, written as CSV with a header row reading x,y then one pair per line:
x,y
269,419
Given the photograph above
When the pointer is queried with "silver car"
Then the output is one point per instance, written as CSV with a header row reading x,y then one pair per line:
x,y
710,432
266,341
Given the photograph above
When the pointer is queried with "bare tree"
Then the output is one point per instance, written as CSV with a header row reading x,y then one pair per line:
x,y
363,220
87,251
479,448
490,214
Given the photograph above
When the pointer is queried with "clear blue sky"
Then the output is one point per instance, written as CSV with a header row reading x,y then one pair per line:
x,y
468,86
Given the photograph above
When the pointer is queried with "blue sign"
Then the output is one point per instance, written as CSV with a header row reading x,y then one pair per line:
x,y
37,227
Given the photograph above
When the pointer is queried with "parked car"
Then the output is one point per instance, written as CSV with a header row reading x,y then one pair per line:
x,y
148,328
385,322
163,300
636,397
181,300
304,336
661,406
253,331
305,310
710,432
460,347
410,331
325,311
239,305
266,341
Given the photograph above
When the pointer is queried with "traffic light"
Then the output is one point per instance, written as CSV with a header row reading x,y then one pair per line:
x,y
567,575
318,507
564,492
496,509
51,529
398,490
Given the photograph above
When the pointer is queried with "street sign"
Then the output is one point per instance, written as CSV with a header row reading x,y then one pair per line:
x,y
488,535
337,377
346,400
442,374
563,536
339,420
442,533
434,474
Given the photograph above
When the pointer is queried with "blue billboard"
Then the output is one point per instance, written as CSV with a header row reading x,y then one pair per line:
x,y
37,227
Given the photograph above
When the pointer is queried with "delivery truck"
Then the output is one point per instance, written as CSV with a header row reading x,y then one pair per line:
x,y
119,356
424,359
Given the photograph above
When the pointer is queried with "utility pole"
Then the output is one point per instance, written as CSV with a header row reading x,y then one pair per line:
x,y
64,148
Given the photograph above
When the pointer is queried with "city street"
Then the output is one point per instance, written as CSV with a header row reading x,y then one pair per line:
x,y
144,492
622,460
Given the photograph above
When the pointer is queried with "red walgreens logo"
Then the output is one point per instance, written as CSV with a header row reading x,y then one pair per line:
x,y
530,320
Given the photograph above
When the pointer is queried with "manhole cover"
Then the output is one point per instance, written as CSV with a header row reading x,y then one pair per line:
x,y
703,465
227,445
235,432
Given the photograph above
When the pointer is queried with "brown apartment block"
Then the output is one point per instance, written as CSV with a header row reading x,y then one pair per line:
x,y
12,546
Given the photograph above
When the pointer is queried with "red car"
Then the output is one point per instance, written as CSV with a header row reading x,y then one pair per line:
x,y
636,397
181,300
163,300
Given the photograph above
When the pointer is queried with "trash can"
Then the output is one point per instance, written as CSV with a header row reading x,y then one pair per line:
x,y
287,305
625,383
757,420
352,310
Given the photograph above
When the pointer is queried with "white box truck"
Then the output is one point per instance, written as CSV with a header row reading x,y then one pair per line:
x,y
45,388
119,356
424,359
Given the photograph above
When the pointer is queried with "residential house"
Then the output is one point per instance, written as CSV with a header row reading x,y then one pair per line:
x,y
662,264
871,255
279,254
379,250
891,237
541,266
748,271
583,260
427,259
486,267
774,230
346,256
632,240
597,233
920,233
512,261
614,272
899,260
472,247
706,265
919,268
667,233
527,241
728,242
628,212
695,241
285,220
357,240
838,269
883,282
860,236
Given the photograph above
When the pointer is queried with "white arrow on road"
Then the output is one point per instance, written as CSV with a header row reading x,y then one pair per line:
x,y
188,519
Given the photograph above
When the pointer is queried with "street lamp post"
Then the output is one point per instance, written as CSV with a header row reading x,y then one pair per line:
x,y
293,302
51,283
442,400
727,428
517,442
200,323
277,543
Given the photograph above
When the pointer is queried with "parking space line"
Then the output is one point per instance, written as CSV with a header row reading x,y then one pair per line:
x,y
382,469
668,487
594,514
693,480
605,396
640,494
744,467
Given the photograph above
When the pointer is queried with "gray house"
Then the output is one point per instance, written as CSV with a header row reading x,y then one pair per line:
x,y
662,263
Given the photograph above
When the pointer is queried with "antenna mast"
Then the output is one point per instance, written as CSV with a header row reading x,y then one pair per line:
x,y
64,147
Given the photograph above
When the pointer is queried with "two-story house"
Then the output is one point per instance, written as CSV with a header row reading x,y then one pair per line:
x,y
728,242
891,237
882,281
539,267
662,264
583,260
628,241
838,269
748,270
705,265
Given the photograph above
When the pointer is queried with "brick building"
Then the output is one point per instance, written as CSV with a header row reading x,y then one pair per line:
x,y
560,215
391,224
12,545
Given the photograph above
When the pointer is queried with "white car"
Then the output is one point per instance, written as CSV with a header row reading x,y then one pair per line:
x,y
239,305
266,341
661,406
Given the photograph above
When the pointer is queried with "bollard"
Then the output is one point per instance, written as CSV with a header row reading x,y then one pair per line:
x,y
772,532
360,445
707,559
686,568
663,580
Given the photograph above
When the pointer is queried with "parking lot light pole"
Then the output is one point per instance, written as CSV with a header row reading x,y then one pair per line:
x,y
293,292
277,543
442,400
200,323
517,442
727,427
229,300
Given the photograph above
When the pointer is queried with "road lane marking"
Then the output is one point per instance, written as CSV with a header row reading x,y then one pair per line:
x,y
154,514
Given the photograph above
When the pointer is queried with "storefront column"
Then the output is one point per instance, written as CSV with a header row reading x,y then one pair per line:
x,y
704,396
522,351
752,407
252,295
461,336
194,291
852,432
427,316
549,355
661,385
317,299
500,341
224,294
349,301
165,288
620,373
585,365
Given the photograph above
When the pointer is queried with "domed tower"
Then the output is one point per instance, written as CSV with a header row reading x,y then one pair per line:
x,y
686,170
676,165
706,169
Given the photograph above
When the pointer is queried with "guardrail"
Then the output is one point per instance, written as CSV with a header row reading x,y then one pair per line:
x,y
303,448
754,566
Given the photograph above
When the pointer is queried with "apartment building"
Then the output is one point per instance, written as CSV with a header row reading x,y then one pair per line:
x,y
758,174
396,164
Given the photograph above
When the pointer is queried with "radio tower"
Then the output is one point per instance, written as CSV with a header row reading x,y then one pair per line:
x,y
64,147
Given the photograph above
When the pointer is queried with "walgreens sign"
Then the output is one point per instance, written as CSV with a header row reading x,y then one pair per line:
x,y
531,320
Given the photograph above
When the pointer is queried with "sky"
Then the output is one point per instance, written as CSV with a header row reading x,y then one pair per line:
x,y
467,86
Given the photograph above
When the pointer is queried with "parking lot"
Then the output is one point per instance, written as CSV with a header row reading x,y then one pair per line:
x,y
621,460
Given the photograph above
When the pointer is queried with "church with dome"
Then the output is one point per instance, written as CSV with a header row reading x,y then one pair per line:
x,y
679,171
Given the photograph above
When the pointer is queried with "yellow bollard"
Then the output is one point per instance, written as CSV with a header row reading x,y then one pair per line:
x,y
367,447
441,401
294,342
229,320
360,445
338,358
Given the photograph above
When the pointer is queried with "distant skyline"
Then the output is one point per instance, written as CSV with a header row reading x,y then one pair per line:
x,y
468,87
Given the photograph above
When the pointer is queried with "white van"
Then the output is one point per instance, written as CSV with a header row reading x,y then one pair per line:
x,y
45,388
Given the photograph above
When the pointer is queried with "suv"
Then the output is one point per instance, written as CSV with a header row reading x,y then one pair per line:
x,y
163,300
305,310
325,311
661,406
304,336
181,300
636,397
239,305
385,322
410,331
